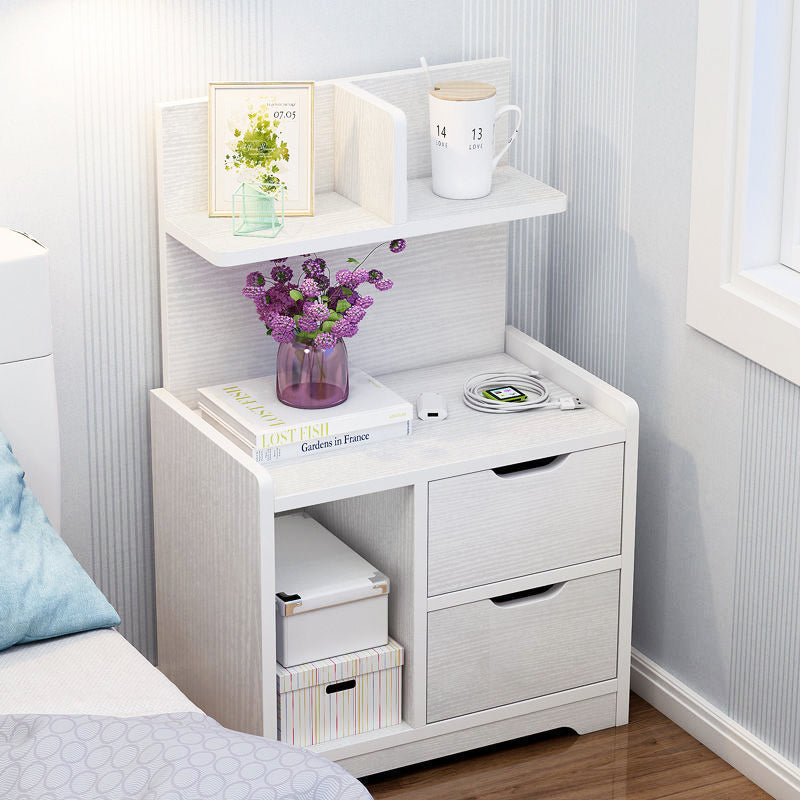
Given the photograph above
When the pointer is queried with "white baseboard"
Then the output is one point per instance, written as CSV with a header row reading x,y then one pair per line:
x,y
719,733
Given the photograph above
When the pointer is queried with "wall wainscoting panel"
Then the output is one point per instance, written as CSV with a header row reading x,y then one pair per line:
x,y
765,657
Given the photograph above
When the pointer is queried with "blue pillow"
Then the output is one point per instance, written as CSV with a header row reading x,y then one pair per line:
x,y
44,591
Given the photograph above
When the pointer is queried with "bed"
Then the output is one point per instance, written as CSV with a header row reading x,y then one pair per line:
x,y
86,715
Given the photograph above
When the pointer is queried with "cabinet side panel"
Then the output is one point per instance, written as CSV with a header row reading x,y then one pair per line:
x,y
626,580
380,528
210,528
408,90
323,138
367,141
212,334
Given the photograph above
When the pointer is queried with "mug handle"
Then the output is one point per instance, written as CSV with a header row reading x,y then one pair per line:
x,y
500,111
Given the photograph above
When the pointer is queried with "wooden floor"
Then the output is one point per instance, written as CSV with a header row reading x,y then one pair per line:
x,y
649,758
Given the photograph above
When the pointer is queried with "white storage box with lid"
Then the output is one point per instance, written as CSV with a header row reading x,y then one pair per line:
x,y
340,696
328,599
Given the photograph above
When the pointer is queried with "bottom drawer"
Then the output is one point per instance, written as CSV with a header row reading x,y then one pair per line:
x,y
524,645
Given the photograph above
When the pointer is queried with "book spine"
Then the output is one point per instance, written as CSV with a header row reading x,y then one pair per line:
x,y
330,444
327,444
291,435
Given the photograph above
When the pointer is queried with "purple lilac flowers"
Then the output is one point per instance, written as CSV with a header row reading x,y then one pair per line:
x,y
313,310
324,341
309,287
283,329
279,273
314,267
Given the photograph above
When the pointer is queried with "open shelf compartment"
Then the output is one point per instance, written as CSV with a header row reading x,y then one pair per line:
x,y
371,172
383,527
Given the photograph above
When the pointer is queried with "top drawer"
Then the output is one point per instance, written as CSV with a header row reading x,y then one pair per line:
x,y
493,525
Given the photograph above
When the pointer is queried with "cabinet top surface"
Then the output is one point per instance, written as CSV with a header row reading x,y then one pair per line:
x,y
465,441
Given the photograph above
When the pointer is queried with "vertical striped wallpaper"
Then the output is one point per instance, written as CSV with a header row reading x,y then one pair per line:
x,y
523,31
765,664
591,146
128,56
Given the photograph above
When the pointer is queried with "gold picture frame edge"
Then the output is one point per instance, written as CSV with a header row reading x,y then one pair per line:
x,y
310,86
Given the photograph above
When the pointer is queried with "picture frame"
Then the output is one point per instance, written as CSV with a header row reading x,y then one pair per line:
x,y
262,134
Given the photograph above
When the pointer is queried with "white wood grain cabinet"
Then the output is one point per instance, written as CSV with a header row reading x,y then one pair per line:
x,y
508,539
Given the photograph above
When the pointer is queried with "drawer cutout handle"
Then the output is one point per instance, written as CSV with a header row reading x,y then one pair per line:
x,y
511,470
342,686
529,595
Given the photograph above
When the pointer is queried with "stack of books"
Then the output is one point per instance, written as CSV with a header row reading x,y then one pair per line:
x,y
250,414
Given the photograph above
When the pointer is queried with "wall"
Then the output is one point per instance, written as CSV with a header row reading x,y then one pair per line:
x,y
717,589
607,89
689,387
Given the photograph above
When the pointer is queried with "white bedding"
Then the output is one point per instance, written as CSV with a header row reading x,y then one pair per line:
x,y
97,672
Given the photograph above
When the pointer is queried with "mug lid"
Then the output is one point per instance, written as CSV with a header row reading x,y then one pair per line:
x,y
463,90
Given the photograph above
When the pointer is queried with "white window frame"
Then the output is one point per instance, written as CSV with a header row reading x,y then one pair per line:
x,y
790,231
754,310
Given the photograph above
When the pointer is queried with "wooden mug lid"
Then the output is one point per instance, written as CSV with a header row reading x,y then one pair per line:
x,y
463,90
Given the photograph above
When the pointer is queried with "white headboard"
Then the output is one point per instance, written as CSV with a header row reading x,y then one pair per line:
x,y
28,411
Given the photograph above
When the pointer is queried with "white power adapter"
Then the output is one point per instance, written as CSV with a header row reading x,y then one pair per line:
x,y
431,406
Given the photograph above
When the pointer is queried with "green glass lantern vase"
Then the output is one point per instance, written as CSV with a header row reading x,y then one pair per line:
x,y
256,213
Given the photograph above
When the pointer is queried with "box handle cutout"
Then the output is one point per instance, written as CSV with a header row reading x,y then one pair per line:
x,y
520,598
512,470
343,686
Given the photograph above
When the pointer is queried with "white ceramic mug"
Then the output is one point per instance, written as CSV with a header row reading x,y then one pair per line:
x,y
462,118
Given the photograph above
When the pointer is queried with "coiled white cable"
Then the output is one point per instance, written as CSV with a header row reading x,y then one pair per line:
x,y
528,383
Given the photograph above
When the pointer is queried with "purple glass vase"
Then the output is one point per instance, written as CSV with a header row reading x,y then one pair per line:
x,y
312,378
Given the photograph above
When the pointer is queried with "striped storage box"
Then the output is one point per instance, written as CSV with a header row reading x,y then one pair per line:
x,y
340,696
